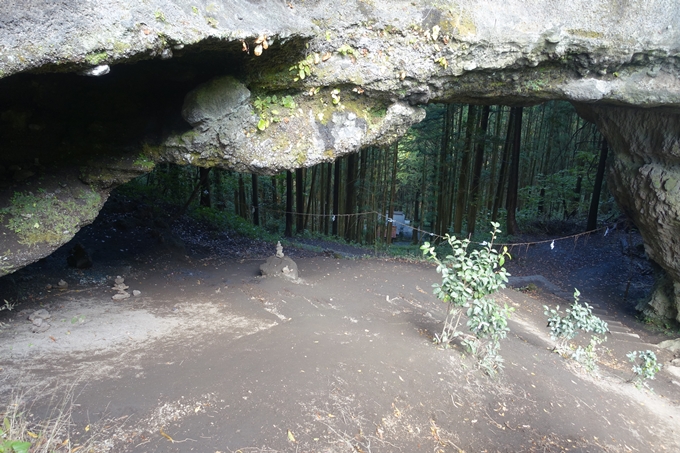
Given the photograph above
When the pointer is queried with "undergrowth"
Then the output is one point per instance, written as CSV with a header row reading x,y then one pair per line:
x,y
469,275
23,432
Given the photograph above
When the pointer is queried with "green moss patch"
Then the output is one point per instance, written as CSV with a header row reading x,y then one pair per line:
x,y
45,218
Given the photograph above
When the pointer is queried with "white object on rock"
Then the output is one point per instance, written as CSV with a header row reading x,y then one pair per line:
x,y
136,292
62,284
279,250
97,71
119,280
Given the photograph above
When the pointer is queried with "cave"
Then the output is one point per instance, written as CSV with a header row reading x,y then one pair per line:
x,y
92,98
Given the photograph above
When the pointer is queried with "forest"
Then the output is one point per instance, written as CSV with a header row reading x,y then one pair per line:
x,y
533,169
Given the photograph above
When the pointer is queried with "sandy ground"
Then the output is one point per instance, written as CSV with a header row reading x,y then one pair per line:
x,y
212,358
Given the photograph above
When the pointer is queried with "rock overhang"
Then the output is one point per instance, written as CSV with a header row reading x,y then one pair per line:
x,y
308,81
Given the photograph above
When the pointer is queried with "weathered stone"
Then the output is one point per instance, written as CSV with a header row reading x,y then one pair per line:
x,y
39,314
280,267
671,345
644,175
121,296
214,101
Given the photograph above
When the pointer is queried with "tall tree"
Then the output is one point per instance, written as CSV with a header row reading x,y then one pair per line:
x,y
393,184
503,172
289,204
475,190
336,195
242,204
462,192
256,200
513,177
597,188
204,175
443,182
327,201
350,195
299,200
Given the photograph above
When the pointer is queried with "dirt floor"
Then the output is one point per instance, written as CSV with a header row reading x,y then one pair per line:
x,y
210,357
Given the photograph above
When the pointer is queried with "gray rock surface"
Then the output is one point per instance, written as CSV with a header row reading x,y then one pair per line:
x,y
352,74
644,176
280,267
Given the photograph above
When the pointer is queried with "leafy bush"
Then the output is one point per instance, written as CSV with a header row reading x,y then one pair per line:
x,y
564,328
468,278
644,369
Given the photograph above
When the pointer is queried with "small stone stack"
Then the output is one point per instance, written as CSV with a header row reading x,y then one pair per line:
x,y
121,288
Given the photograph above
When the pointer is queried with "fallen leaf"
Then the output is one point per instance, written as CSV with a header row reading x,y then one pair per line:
x,y
166,436
291,437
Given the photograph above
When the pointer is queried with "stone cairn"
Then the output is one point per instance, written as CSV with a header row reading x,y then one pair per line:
x,y
121,288
280,265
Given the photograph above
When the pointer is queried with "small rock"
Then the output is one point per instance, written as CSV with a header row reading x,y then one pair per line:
x,y
48,286
121,296
42,313
62,284
119,280
671,345
37,322
675,362
136,292
120,287
41,328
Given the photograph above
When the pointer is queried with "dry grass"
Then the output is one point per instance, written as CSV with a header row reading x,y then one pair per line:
x,y
43,417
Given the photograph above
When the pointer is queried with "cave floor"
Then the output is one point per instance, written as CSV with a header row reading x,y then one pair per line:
x,y
209,357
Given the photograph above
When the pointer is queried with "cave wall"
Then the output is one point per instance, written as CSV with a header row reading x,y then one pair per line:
x,y
644,177
94,93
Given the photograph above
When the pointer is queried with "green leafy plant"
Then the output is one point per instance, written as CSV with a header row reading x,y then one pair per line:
x,y
645,366
565,327
443,62
346,49
468,278
8,444
303,68
267,109
160,16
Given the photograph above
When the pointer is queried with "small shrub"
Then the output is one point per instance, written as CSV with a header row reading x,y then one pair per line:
x,y
564,328
468,278
645,367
